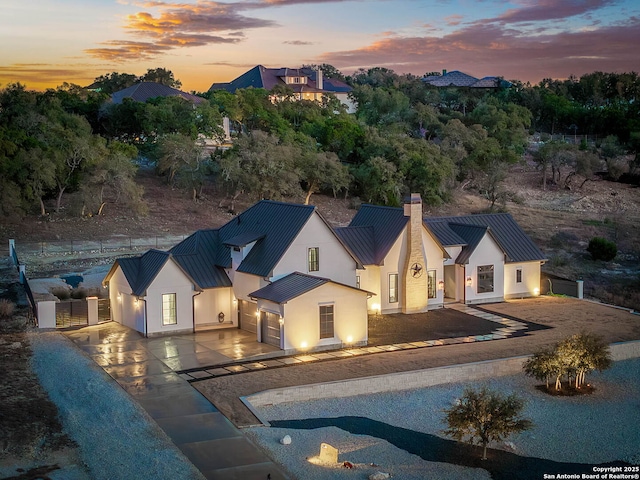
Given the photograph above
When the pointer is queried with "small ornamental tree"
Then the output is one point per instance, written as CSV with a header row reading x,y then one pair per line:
x,y
484,416
571,358
602,249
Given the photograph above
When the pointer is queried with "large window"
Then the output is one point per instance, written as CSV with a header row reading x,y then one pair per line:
x,y
314,259
518,275
485,278
326,321
431,284
393,287
169,316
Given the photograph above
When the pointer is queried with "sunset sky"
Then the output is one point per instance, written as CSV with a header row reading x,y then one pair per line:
x,y
45,43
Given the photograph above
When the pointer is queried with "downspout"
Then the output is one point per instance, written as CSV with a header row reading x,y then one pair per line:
x,y
193,309
145,315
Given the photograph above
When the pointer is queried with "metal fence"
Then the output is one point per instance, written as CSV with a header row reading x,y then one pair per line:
x,y
97,247
557,285
33,310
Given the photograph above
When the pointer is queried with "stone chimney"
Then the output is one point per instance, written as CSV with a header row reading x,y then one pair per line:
x,y
414,277
319,80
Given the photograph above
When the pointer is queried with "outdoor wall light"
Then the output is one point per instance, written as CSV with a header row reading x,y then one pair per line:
x,y
257,313
469,281
441,285
281,320
120,297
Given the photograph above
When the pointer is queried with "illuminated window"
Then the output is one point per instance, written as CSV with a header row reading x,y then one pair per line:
x,y
431,284
169,316
314,259
393,287
485,278
326,321
518,275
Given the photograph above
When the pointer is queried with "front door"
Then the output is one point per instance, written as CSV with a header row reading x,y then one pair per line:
x,y
270,325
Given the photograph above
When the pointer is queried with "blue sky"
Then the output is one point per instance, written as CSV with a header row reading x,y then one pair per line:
x,y
49,42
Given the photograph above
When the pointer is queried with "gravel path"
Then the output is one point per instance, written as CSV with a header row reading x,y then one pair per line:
x,y
599,428
117,439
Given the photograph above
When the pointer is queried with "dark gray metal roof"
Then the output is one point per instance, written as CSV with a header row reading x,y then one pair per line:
x,y
516,244
445,235
472,235
143,91
291,286
361,242
387,224
205,276
140,271
294,285
243,239
199,256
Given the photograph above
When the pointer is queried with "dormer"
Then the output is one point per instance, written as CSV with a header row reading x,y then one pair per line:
x,y
240,246
294,77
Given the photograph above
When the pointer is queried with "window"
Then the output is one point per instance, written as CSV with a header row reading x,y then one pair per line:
x,y
326,321
169,316
518,275
485,278
357,281
431,284
314,259
393,287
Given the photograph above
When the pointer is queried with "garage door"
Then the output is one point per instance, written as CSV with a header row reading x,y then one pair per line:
x,y
247,316
270,328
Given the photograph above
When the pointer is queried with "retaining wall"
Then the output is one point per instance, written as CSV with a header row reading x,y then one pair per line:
x,y
412,380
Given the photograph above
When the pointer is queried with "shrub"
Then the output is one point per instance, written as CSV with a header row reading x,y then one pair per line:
x,y
61,292
6,308
79,293
602,249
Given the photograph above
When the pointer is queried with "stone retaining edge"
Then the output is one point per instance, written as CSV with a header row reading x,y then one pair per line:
x,y
410,380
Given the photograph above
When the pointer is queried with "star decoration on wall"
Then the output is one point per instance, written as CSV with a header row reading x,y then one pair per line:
x,y
416,270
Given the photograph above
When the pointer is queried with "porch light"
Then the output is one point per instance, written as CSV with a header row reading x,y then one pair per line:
x,y
441,285
469,281
137,302
257,313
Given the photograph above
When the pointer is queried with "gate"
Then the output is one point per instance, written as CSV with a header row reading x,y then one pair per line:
x,y
104,310
72,313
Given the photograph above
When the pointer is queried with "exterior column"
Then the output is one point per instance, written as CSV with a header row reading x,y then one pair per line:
x,y
46,314
92,310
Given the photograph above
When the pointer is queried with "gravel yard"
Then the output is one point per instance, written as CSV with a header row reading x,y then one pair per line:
x,y
598,428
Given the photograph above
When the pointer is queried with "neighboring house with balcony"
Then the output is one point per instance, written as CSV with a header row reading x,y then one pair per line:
x,y
306,84
281,272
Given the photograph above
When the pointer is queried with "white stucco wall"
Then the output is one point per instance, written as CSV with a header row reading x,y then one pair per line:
x,y
125,308
530,285
170,279
371,282
302,318
245,283
435,261
209,304
486,253
335,262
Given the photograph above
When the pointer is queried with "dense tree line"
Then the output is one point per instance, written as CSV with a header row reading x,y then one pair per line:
x,y
405,136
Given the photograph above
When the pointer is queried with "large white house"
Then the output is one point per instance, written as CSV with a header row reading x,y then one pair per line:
x,y
280,271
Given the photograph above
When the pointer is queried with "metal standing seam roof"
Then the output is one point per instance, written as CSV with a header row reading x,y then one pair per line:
x,y
140,271
516,244
361,240
387,224
473,234
143,91
445,235
294,285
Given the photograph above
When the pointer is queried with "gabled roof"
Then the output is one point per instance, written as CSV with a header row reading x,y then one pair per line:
x,y
361,240
386,223
472,234
460,79
143,91
142,270
267,78
294,285
516,244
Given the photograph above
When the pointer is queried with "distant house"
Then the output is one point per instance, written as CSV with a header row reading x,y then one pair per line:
x,y
306,83
279,271
460,79
143,91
